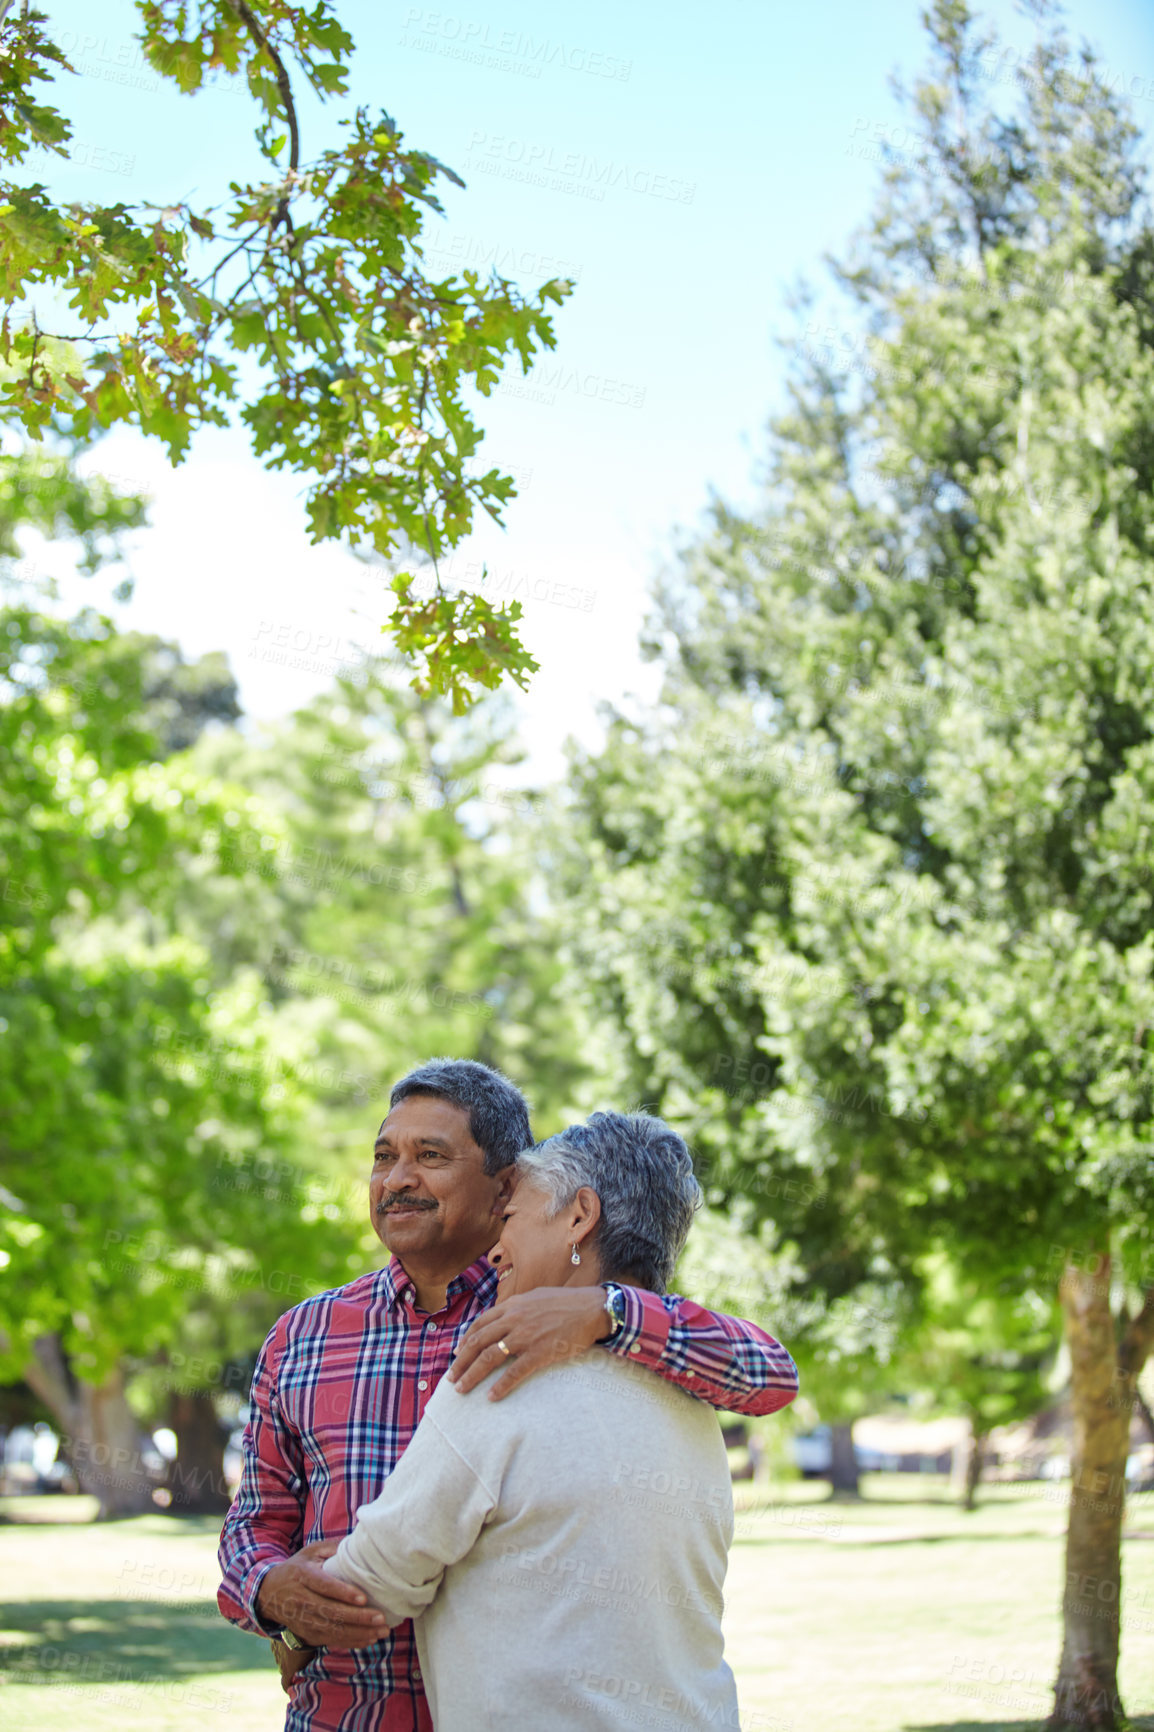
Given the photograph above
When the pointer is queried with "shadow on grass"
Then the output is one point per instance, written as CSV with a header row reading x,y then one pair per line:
x,y
68,1641
1142,1723
980,1726
1014,1499
861,1539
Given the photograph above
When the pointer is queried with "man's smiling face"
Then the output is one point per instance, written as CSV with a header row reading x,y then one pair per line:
x,y
431,1202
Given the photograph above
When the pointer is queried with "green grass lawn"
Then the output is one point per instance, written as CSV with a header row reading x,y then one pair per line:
x,y
899,1614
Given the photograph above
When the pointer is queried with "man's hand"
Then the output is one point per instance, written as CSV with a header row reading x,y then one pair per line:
x,y
538,1328
289,1662
319,1608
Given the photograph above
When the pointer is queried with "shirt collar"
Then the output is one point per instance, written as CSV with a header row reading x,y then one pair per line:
x,y
479,1278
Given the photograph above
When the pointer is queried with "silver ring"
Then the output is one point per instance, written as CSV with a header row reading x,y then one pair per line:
x,y
504,1350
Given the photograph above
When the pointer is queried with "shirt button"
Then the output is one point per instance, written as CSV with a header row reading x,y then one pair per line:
x,y
691,1374
636,1347
423,1384
416,1674
432,1328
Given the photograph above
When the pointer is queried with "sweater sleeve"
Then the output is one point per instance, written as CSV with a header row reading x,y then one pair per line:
x,y
428,1516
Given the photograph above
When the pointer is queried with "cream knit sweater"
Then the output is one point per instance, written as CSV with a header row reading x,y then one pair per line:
x,y
563,1552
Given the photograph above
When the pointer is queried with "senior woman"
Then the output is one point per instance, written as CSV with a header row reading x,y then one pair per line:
x,y
563,1551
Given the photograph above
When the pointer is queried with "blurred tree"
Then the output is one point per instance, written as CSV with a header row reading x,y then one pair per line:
x,y
394,918
847,1348
182,698
389,921
308,286
112,1147
869,896
986,1354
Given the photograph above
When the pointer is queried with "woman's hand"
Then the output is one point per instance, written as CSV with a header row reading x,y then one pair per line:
x,y
538,1329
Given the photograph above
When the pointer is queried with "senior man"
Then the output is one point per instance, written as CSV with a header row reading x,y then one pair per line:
x,y
343,1379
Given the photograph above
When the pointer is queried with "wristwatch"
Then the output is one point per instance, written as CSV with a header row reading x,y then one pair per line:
x,y
614,1308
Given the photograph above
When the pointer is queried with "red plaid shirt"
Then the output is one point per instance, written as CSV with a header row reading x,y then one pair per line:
x,y
340,1386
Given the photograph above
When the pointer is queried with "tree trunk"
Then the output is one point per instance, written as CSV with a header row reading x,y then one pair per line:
x,y
975,1461
843,1476
967,1460
1086,1691
99,1433
196,1478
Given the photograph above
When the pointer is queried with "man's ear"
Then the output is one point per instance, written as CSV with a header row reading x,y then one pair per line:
x,y
505,1181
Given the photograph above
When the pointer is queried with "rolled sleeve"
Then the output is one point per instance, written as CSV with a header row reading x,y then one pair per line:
x,y
644,1335
729,1363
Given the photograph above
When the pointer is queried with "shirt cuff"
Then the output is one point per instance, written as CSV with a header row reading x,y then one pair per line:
x,y
250,1591
645,1331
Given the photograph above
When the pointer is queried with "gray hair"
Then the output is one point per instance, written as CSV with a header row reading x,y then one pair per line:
x,y
642,1172
498,1112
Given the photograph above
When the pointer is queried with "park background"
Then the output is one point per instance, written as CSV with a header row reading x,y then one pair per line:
x,y
845,868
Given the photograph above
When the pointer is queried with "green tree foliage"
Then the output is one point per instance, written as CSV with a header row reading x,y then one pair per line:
x,y
869,896
41,491
116,1152
393,919
215,962
301,301
980,1352
388,921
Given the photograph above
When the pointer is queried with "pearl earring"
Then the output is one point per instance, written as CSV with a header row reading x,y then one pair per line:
x,y
576,1257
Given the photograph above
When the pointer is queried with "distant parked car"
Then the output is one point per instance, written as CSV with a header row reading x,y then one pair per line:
x,y
813,1452
1140,1469
28,1459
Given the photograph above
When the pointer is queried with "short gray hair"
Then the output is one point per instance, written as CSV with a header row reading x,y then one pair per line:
x,y
498,1113
642,1172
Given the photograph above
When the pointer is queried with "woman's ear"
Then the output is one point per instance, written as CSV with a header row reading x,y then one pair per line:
x,y
584,1213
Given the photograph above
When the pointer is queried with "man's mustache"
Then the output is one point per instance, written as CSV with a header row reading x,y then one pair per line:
x,y
398,1199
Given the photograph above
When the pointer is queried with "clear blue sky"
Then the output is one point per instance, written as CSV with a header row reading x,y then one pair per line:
x,y
733,136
